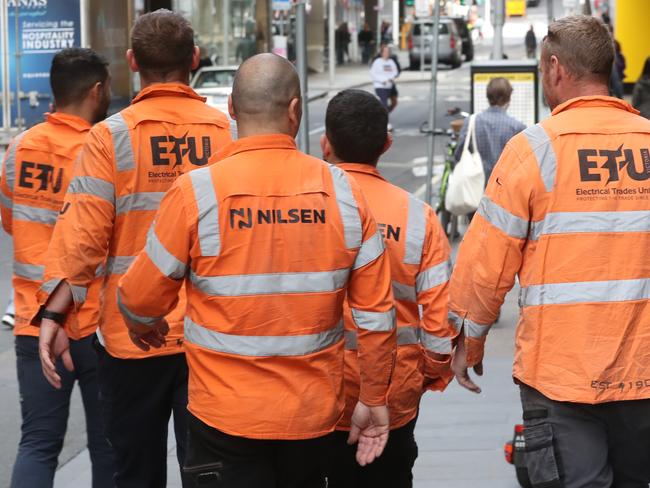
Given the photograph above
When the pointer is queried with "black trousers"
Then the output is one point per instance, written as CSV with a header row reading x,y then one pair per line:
x,y
137,398
218,460
570,445
393,469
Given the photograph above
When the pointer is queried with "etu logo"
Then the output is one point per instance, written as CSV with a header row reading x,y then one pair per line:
x,y
166,150
40,175
615,161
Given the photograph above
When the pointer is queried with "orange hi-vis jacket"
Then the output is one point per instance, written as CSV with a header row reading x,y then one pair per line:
x,y
37,171
420,269
267,242
567,210
126,165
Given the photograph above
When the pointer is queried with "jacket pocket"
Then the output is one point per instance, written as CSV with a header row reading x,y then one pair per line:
x,y
204,475
540,456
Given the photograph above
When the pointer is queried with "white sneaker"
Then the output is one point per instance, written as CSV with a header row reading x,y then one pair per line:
x,y
8,320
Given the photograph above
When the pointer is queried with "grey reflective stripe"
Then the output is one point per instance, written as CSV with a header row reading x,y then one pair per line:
x,y
544,152
49,286
139,319
585,222
271,283
369,251
100,336
32,272
208,219
100,271
406,336
350,337
439,345
585,292
433,276
403,292
262,346
415,231
348,208
124,159
471,329
475,330
118,264
374,321
78,292
146,200
165,261
5,201
502,219
10,166
35,214
89,185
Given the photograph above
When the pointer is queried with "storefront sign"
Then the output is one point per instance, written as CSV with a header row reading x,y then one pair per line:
x,y
44,27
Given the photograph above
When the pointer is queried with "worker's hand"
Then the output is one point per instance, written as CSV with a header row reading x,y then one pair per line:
x,y
145,337
53,343
369,428
459,367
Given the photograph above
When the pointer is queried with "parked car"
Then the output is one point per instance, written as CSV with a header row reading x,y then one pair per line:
x,y
465,35
215,84
532,3
450,44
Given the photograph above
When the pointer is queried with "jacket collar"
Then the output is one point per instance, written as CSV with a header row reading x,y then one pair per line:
x,y
60,118
167,90
255,143
361,168
595,101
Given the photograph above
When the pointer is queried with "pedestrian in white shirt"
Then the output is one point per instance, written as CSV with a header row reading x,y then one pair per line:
x,y
383,72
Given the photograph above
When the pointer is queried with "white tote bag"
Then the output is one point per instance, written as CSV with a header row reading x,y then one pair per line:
x,y
467,181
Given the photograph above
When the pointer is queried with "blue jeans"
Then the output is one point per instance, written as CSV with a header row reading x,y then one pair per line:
x,y
45,415
384,95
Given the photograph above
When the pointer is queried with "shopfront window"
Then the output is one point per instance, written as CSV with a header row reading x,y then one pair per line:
x,y
226,30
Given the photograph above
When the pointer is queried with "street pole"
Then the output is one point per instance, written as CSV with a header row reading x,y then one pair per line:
x,y
226,32
499,14
18,68
6,93
331,33
432,103
379,7
301,64
549,11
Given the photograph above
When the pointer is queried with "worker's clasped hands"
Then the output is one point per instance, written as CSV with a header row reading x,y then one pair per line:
x,y
145,337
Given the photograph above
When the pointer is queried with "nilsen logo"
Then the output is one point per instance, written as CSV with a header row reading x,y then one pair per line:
x,y
245,218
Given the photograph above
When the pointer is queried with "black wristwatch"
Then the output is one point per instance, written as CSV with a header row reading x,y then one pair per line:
x,y
59,318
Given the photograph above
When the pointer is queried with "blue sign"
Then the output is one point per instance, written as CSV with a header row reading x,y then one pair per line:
x,y
44,27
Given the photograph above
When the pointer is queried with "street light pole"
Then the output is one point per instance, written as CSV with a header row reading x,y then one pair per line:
x,y
6,89
301,64
331,34
432,103
379,7
499,14
226,32
549,11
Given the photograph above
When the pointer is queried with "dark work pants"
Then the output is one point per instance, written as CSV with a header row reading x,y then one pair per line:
x,y
393,469
137,398
572,445
45,415
218,460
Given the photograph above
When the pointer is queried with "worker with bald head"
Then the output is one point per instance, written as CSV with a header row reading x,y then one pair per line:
x,y
269,243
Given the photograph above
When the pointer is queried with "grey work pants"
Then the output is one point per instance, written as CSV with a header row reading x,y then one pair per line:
x,y
577,445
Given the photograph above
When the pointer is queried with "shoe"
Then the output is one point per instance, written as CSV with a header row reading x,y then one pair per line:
x,y
8,320
390,127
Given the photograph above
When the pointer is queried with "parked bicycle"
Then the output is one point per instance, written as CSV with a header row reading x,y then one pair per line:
x,y
448,220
